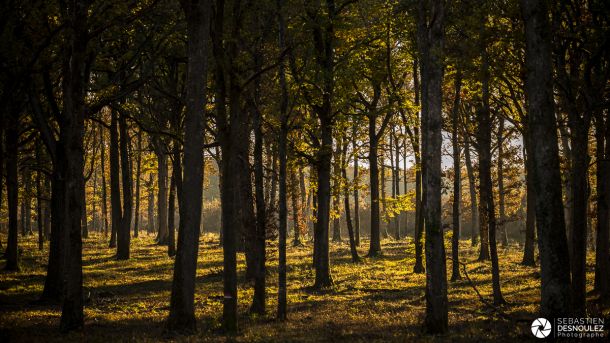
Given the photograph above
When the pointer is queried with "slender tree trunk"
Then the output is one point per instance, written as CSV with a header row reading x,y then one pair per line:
x,y
297,214
578,226
501,195
457,181
336,193
162,232
474,214
104,195
487,206
151,204
124,231
602,263
550,221
12,190
356,191
419,216
115,192
171,221
282,142
136,225
348,218
530,219
375,236
39,197
258,244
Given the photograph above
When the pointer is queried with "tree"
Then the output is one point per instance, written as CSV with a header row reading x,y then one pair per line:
x,y
430,26
552,241
182,303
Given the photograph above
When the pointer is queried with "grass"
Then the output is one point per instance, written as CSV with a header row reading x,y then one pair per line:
x,y
377,300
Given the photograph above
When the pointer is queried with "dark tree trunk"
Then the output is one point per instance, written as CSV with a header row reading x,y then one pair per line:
x,y
346,208
115,192
530,219
104,195
419,202
136,225
151,205
501,195
356,191
430,43
71,161
182,301
487,206
297,214
419,216
474,214
550,222
578,226
12,190
375,235
124,231
27,201
258,241
336,192
39,197
282,142
602,263
162,174
171,220
457,181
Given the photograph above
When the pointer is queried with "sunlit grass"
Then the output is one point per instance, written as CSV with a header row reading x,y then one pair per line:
x,y
377,300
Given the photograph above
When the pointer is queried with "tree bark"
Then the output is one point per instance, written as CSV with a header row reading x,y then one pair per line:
x,y
501,195
530,219
430,45
602,263
124,231
182,301
550,222
115,192
457,180
474,215
136,225
12,190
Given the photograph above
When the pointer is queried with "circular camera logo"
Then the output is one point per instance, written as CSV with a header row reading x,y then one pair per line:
x,y
541,328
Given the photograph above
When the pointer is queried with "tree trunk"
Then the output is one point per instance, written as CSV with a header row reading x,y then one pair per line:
x,y
124,231
115,192
39,197
578,226
356,191
474,214
282,142
104,195
430,38
552,241
457,180
136,225
258,241
190,183
336,193
375,236
162,174
151,205
602,263
348,218
419,216
487,206
297,214
501,195
171,221
530,219
12,190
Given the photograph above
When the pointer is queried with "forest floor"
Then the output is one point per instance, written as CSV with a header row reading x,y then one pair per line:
x,y
377,300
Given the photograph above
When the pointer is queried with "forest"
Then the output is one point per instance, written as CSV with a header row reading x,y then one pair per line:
x,y
304,170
